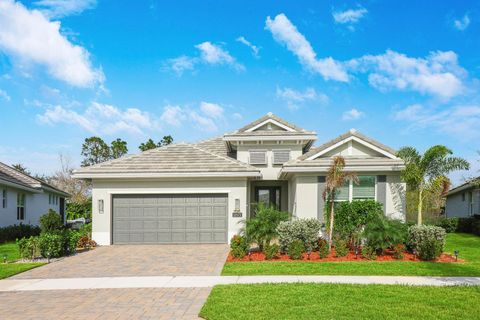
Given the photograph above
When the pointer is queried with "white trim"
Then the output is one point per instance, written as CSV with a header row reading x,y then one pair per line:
x,y
349,139
275,122
87,175
171,191
304,137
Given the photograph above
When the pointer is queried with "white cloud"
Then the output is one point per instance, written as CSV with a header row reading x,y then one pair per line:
x,y
181,64
62,8
29,38
211,110
4,95
460,121
215,55
352,114
438,74
462,24
287,34
203,123
295,97
237,116
254,48
349,16
173,115
101,118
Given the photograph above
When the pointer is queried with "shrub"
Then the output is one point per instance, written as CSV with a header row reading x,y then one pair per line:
x,y
51,245
51,221
323,248
449,224
427,240
469,225
341,248
271,251
77,210
369,253
70,241
238,246
86,230
382,233
261,229
304,230
296,249
398,251
14,232
351,217
29,247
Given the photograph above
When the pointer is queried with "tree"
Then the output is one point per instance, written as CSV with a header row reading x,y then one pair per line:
x,y
336,177
20,167
427,173
118,148
147,145
150,144
94,150
79,190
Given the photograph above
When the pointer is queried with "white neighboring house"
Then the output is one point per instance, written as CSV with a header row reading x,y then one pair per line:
x,y
200,192
23,199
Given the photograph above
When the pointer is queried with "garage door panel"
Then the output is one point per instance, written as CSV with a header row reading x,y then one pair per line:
x,y
176,218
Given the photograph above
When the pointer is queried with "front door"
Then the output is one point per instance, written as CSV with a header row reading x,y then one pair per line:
x,y
268,196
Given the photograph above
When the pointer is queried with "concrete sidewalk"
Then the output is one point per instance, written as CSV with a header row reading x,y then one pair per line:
x,y
210,281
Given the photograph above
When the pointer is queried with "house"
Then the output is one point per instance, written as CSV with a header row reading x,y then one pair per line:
x,y
24,198
200,192
464,200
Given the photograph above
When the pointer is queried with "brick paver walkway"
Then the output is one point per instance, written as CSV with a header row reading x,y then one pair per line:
x,y
136,260
165,303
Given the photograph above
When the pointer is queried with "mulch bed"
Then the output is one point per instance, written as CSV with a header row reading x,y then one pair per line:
x,y
314,257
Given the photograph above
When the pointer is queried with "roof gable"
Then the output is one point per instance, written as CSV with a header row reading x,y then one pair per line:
x,y
270,122
351,144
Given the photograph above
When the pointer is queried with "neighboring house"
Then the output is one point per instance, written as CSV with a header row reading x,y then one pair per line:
x,y
24,198
464,200
200,192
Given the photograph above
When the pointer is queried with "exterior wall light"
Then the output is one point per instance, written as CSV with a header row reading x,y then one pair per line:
x,y
100,206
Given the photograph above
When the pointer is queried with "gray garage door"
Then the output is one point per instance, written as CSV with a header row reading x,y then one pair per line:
x,y
180,218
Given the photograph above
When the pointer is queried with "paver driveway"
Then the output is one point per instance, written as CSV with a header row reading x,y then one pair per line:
x,y
114,261
136,260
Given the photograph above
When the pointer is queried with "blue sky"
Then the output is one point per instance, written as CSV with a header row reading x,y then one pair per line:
x,y
403,72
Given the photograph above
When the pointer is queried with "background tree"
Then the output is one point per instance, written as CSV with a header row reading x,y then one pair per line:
x,y
118,148
20,167
79,190
150,144
427,173
94,150
335,179
147,145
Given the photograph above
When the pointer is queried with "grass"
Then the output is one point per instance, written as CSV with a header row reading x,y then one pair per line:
x,y
10,250
10,269
468,245
335,301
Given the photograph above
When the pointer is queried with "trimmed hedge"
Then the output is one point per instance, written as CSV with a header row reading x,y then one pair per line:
x,y
469,225
303,230
449,224
428,241
14,232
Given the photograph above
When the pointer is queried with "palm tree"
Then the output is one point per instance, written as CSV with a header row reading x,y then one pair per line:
x,y
336,177
428,172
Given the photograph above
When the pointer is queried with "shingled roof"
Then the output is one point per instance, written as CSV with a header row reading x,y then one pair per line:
x,y
176,160
22,180
270,116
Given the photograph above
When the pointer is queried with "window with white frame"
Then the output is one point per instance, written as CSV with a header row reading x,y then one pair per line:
x,y
258,157
49,198
20,206
281,156
363,190
4,198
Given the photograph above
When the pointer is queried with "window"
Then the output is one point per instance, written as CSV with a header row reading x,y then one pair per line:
x,y
20,206
56,200
365,189
49,198
463,196
258,157
281,156
4,198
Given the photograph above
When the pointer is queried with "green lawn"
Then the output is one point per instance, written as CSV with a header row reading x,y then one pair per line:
x,y
334,301
10,250
468,245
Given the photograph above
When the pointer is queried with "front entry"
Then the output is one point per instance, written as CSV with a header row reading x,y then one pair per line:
x,y
268,196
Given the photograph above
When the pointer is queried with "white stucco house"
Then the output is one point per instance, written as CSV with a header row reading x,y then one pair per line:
x,y
464,200
200,192
24,198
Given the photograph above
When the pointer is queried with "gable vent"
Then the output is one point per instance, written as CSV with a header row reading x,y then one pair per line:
x,y
281,156
258,157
